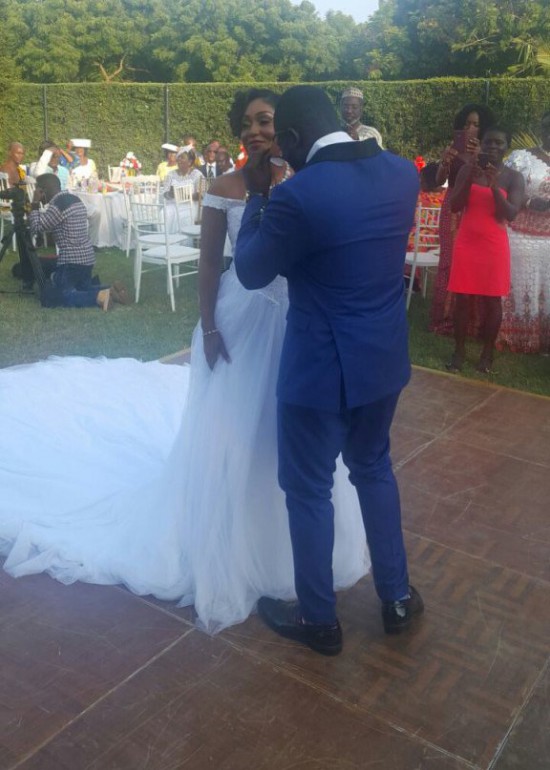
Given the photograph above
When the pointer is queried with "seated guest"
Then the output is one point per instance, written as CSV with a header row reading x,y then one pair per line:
x,y
12,166
68,157
49,164
184,175
223,162
86,168
209,168
66,217
351,108
169,162
188,142
45,145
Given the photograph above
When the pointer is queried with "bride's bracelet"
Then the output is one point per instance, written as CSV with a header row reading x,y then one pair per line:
x,y
212,331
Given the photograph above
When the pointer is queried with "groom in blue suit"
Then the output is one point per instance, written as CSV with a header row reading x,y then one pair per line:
x,y
338,231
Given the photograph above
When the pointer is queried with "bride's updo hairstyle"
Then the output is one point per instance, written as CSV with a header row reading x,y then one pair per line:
x,y
242,100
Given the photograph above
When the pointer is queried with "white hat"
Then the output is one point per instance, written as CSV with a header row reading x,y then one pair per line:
x,y
185,148
353,91
86,143
169,147
130,155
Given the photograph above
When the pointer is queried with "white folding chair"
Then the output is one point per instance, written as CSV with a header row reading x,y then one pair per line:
x,y
115,174
144,184
137,186
425,253
183,198
30,187
156,247
5,209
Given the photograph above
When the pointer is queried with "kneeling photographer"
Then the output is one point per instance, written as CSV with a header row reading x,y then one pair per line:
x,y
71,285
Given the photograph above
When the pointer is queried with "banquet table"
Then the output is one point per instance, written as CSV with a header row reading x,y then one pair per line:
x,y
106,217
525,324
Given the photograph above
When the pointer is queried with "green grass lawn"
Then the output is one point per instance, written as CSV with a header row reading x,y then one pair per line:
x,y
149,330
530,373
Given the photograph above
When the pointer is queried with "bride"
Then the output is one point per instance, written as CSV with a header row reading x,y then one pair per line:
x,y
164,478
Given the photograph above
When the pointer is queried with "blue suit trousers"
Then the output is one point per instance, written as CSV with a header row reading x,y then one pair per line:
x,y
310,441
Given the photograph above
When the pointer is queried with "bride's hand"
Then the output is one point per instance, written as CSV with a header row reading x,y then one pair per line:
x,y
214,347
257,173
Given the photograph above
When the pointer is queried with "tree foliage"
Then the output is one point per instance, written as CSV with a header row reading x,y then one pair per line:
x,y
52,41
471,38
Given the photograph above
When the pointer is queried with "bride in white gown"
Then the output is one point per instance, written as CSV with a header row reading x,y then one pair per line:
x,y
164,478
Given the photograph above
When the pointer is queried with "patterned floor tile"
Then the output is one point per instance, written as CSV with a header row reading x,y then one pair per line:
x,y
206,705
62,648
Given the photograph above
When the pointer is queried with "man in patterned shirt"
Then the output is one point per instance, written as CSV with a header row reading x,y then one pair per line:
x,y
66,217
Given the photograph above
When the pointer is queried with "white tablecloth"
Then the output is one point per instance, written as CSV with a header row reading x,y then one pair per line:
x,y
526,311
106,217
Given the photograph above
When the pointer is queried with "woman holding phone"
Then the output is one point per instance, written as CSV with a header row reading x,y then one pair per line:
x,y
469,124
488,194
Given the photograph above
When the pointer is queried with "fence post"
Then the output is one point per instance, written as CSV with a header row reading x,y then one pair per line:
x,y
166,114
487,90
45,109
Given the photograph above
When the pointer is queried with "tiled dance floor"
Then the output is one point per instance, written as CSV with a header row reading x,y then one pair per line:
x,y
94,678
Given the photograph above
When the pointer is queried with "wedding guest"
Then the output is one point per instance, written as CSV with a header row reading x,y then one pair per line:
x,y
68,158
13,165
169,163
188,142
488,194
209,168
473,120
66,217
184,175
223,161
49,163
352,102
86,167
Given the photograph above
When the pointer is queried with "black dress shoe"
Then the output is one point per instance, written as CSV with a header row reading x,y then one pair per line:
x,y
286,620
397,616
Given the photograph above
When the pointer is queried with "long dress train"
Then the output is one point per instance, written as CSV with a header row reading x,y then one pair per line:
x,y
162,478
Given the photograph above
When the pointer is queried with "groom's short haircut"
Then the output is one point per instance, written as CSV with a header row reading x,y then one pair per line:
x,y
308,110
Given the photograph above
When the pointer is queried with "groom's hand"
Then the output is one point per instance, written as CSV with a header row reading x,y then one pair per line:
x,y
257,173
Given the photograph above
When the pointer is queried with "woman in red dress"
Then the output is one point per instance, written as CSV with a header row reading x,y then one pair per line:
x,y
488,194
473,120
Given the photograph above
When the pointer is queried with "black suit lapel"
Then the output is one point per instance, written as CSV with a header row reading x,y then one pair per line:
x,y
346,151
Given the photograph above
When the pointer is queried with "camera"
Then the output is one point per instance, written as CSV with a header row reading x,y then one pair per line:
x,y
18,196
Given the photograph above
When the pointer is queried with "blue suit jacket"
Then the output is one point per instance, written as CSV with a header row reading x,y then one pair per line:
x,y
338,231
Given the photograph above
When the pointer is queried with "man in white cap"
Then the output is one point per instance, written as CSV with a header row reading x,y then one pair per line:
x,y
351,109
169,162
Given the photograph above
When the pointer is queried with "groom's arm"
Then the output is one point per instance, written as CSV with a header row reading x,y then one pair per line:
x,y
271,238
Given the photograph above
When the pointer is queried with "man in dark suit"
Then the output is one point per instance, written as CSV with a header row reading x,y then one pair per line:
x,y
209,168
338,231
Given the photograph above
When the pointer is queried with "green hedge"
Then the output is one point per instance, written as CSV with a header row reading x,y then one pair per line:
x,y
414,116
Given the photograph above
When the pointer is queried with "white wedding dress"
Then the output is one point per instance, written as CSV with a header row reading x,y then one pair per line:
x,y
160,477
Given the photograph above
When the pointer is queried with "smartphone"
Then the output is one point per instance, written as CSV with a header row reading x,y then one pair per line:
x,y
460,141
483,160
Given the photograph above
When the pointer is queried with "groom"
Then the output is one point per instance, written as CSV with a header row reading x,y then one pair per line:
x,y
338,231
